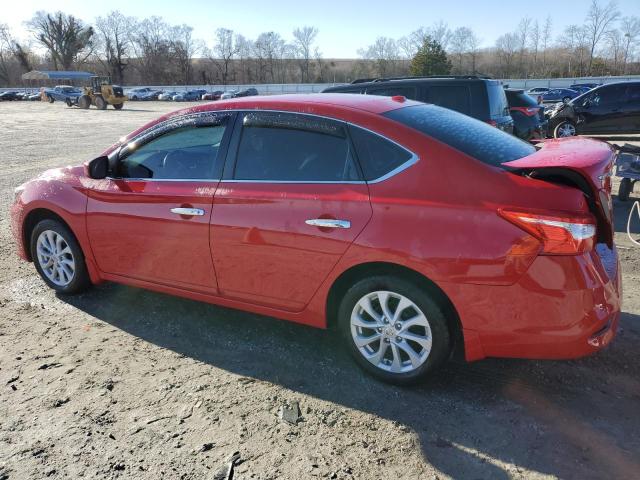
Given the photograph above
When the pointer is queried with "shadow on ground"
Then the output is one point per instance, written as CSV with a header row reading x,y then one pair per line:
x,y
559,418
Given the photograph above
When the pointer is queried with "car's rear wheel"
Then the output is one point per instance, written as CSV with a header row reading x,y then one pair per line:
x,y
50,99
564,129
625,189
394,329
58,258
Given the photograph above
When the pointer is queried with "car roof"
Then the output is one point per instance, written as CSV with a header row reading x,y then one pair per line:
x,y
335,105
297,103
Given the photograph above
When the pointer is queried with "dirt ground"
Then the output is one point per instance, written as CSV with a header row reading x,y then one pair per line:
x,y
124,383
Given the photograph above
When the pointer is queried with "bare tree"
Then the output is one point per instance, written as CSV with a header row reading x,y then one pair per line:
x,y
385,53
225,49
598,23
439,32
546,39
6,53
65,37
523,40
114,42
630,27
534,45
507,48
184,48
152,47
459,45
303,39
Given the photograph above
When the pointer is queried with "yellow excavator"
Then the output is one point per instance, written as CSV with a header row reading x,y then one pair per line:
x,y
101,93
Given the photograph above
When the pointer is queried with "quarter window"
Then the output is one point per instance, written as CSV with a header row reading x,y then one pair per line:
x,y
291,147
187,153
377,155
455,97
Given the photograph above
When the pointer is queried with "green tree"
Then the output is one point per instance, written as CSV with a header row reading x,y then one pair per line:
x,y
430,59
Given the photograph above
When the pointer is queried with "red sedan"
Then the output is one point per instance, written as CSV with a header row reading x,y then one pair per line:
x,y
416,231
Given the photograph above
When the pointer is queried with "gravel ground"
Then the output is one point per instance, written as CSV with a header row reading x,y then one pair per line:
x,y
124,383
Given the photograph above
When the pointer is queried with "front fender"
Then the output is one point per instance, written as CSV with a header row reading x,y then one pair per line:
x,y
62,192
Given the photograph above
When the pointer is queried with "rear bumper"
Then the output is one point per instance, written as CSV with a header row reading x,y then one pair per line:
x,y
564,307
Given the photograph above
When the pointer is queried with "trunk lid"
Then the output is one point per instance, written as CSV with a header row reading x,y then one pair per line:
x,y
581,163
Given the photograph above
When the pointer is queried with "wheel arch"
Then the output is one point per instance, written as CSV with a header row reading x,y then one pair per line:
x,y
32,219
363,270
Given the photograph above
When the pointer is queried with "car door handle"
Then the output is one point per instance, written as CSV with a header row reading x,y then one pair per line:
x,y
190,212
328,223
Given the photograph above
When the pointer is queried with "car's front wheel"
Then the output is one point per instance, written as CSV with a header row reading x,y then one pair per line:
x,y
58,257
394,329
564,129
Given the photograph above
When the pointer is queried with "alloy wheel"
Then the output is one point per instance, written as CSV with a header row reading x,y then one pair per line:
x,y
391,332
55,258
566,130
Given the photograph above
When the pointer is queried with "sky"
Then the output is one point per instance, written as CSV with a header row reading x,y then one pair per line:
x,y
344,26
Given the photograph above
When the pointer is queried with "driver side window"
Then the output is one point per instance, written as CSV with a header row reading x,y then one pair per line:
x,y
187,153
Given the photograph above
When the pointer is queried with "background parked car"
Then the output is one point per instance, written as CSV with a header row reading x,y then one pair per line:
x,y
478,97
167,96
144,93
534,92
590,86
249,92
559,95
190,95
610,108
229,94
580,88
63,93
529,121
8,96
215,95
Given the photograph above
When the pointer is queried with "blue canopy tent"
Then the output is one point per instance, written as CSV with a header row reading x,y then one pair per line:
x,y
56,75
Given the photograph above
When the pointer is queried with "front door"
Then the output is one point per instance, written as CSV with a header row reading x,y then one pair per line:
x,y
151,220
291,202
602,110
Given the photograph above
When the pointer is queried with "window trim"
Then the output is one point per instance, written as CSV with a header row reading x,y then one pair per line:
x,y
235,143
168,126
232,140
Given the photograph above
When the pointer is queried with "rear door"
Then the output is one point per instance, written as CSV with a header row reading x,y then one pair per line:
x,y
291,202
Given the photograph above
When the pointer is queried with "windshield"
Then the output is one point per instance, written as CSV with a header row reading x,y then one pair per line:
x,y
468,135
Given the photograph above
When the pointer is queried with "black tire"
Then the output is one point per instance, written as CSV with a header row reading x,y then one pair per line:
x,y
68,102
118,106
564,124
625,189
101,104
50,99
80,280
441,338
84,102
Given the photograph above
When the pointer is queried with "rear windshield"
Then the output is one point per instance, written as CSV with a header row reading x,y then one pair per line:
x,y
473,137
498,106
520,99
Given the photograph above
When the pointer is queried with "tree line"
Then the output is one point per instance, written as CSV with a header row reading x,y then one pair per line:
x,y
152,51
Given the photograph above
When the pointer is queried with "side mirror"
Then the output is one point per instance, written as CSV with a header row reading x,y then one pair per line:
x,y
98,168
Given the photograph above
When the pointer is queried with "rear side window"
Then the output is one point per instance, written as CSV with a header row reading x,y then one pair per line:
x,y
455,97
608,95
377,155
498,106
294,148
473,137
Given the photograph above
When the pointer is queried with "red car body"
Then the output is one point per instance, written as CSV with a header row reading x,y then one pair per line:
x,y
441,218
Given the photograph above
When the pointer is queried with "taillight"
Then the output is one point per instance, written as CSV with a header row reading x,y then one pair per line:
x,y
493,123
559,234
528,111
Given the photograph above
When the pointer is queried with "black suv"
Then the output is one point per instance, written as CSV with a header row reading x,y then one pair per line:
x,y
478,97
612,108
528,116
